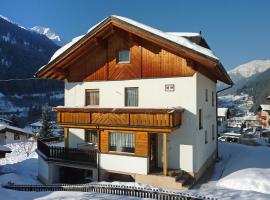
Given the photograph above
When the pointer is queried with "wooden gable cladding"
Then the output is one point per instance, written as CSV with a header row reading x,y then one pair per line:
x,y
147,60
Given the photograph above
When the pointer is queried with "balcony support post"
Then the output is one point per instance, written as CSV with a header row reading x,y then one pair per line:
x,y
66,134
165,166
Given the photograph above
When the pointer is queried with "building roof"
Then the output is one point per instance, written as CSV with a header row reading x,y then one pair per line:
x,y
5,149
4,127
38,124
178,41
265,107
222,112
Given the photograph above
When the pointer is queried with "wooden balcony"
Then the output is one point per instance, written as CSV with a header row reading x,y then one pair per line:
x,y
62,154
120,117
263,117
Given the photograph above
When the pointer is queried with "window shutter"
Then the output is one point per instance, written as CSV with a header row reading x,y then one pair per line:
x,y
104,141
141,144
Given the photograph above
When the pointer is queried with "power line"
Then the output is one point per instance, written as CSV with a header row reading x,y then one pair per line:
x,y
18,79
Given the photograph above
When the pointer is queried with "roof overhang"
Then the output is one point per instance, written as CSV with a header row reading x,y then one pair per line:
x,y
55,68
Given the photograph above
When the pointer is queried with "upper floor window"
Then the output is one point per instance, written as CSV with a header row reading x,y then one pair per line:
x,y
16,136
200,119
213,131
205,137
92,97
206,95
213,99
122,142
90,136
124,56
131,96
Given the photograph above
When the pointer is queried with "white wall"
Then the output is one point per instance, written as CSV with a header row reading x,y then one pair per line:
x,y
76,136
123,163
189,94
203,151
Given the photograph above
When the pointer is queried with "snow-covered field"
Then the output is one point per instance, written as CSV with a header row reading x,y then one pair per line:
x,y
242,173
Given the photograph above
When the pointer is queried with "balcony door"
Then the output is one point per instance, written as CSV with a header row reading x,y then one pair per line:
x,y
153,148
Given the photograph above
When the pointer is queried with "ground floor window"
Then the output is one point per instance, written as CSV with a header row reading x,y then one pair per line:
x,y
16,136
90,136
122,142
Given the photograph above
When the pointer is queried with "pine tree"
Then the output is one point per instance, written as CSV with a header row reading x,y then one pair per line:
x,y
14,120
46,129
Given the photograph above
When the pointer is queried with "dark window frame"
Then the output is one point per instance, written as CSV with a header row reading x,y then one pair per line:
x,y
205,137
206,95
124,150
16,136
86,101
213,131
126,97
88,136
200,119
213,99
118,56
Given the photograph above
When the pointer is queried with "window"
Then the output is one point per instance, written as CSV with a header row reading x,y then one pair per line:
x,y
213,99
200,119
131,96
213,131
90,136
124,56
205,137
122,142
92,97
16,136
206,95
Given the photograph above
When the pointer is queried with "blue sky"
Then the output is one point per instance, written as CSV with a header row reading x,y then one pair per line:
x,y
237,31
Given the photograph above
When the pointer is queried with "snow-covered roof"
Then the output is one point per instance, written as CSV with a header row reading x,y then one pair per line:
x,y
38,123
4,148
184,34
4,126
222,112
265,107
176,37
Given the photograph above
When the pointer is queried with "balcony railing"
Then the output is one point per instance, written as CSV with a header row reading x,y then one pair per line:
x,y
67,154
139,117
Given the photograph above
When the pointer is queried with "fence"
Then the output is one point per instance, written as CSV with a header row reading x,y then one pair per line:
x,y
62,153
113,189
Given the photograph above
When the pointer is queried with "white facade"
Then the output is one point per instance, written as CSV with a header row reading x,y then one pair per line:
x,y
186,146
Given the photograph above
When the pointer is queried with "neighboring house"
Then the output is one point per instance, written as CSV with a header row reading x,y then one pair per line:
x,y
138,102
264,115
223,116
11,134
36,127
5,121
3,151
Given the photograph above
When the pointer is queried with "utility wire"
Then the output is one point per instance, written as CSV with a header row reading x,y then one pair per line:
x,y
18,79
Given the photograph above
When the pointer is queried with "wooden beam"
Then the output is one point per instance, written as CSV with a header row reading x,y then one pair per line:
x,y
119,128
165,166
66,135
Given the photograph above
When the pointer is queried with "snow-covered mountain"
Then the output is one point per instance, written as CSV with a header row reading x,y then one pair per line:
x,y
251,78
249,69
49,34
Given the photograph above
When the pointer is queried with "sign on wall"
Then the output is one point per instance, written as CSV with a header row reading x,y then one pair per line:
x,y
169,87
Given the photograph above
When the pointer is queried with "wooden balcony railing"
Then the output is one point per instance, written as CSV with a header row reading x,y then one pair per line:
x,y
154,118
67,154
263,117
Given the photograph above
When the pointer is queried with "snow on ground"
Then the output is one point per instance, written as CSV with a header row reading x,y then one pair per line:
x,y
243,173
